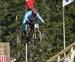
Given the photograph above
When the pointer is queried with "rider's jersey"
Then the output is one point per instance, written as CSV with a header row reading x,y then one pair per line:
x,y
29,17
30,4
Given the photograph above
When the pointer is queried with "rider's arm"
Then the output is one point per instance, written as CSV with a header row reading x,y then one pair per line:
x,y
27,14
25,19
40,18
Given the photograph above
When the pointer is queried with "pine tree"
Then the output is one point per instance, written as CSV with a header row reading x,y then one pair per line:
x,y
51,11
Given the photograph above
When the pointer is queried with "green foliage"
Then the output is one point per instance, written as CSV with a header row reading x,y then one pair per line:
x,y
51,11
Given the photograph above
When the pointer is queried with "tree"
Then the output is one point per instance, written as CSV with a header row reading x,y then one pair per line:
x,y
51,10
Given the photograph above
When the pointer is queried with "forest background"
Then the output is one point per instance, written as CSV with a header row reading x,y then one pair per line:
x,y
11,29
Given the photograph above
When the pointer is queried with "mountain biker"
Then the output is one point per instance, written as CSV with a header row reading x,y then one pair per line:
x,y
29,19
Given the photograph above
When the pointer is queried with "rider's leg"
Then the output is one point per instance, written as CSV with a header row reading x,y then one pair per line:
x,y
32,27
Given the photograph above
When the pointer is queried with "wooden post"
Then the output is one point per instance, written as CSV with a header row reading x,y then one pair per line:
x,y
58,60
72,54
68,59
